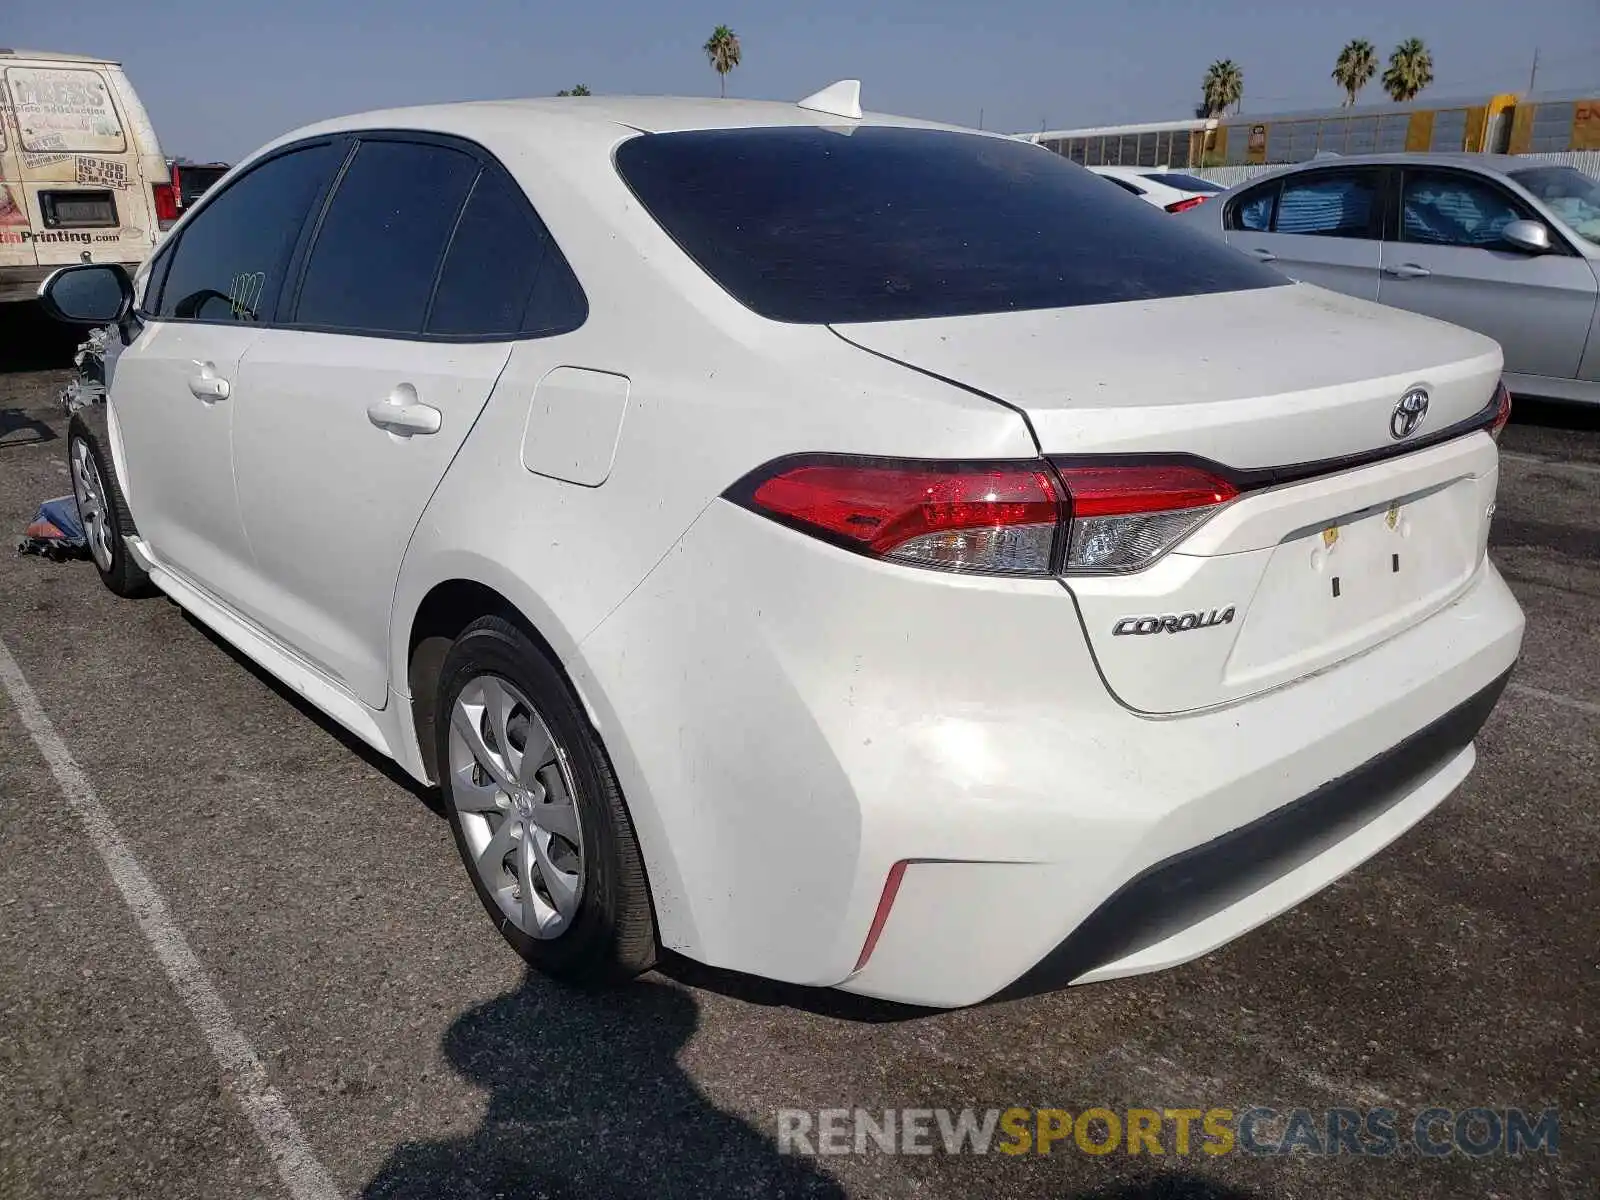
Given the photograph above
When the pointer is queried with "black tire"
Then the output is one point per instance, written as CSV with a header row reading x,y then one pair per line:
x,y
122,575
612,937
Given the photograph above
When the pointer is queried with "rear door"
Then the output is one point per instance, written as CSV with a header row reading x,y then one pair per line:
x,y
1320,226
1443,256
420,279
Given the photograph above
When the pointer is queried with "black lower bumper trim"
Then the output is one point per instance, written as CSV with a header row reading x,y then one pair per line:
x,y
1190,886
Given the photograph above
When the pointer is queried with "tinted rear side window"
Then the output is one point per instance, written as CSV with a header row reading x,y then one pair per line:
x,y
490,284
1339,205
377,254
819,226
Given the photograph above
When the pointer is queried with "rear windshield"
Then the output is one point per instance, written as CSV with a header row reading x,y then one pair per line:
x,y
1186,183
820,226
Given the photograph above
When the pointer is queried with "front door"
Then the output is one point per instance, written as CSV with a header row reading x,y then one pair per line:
x,y
176,389
1446,258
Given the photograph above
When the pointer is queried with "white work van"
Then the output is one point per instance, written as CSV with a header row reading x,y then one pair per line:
x,y
82,177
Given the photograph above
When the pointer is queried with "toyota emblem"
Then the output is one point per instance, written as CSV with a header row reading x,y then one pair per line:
x,y
1408,413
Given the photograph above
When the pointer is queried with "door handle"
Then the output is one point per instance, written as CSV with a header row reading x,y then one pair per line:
x,y
403,414
207,385
1263,254
1407,271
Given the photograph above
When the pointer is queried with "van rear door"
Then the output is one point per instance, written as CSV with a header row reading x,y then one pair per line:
x,y
78,164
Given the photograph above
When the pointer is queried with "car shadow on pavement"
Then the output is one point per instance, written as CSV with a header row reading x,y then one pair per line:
x,y
18,428
586,1097
378,761
771,993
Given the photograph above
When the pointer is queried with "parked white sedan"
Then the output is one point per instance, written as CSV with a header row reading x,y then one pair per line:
x,y
1171,191
789,538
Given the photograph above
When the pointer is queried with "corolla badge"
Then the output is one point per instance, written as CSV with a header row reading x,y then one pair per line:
x,y
1408,413
1172,622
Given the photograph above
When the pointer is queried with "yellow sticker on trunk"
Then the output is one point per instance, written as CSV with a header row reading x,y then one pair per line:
x,y
1392,517
1330,535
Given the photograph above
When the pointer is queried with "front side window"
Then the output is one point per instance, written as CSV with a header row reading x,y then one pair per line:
x,y
1442,208
230,259
1328,204
1566,191
372,267
821,225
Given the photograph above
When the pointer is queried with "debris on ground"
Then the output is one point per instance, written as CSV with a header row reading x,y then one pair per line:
x,y
56,532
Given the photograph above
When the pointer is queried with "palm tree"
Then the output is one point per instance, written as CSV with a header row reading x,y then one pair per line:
x,y
1222,87
1410,70
1357,63
578,89
722,48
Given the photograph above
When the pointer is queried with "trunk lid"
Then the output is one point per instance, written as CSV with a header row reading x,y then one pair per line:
x,y
1252,379
1291,577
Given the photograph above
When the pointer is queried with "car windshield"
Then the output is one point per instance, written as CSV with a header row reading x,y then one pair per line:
x,y
826,225
1186,183
1570,194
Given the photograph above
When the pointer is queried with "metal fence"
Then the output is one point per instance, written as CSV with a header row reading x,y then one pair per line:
x,y
1587,161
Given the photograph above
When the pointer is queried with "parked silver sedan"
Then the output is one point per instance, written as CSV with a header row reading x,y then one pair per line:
x,y
1496,243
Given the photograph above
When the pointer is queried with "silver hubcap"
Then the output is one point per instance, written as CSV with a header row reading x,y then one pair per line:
x,y
92,506
512,790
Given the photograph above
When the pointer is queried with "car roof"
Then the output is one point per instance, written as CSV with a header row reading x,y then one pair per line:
x,y
604,116
57,56
1497,163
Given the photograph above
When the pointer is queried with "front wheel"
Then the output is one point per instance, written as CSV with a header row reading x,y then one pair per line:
x,y
537,812
103,511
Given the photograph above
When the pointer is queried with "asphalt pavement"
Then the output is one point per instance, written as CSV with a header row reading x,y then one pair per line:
x,y
338,965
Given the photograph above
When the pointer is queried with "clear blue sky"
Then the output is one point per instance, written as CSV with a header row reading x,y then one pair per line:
x,y
220,77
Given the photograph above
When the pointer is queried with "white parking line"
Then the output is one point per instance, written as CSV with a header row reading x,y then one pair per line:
x,y
245,1077
1583,706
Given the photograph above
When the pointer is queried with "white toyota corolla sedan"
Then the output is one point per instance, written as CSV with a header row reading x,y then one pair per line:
x,y
841,548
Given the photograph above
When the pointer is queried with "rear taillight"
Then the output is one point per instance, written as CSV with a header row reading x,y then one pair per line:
x,y
1125,516
1502,410
1185,204
166,198
996,518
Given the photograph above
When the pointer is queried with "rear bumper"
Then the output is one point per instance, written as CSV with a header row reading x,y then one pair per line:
x,y
1164,903
790,721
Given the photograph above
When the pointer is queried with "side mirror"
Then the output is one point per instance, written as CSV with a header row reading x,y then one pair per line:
x,y
1531,236
88,294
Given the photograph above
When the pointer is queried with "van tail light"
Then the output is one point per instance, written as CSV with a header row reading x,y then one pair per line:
x,y
1502,410
1184,205
1126,516
166,198
994,518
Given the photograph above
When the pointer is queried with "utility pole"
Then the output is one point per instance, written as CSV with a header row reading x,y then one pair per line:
x,y
980,118
1534,74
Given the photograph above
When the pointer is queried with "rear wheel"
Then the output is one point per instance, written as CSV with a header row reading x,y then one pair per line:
x,y
537,812
103,511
